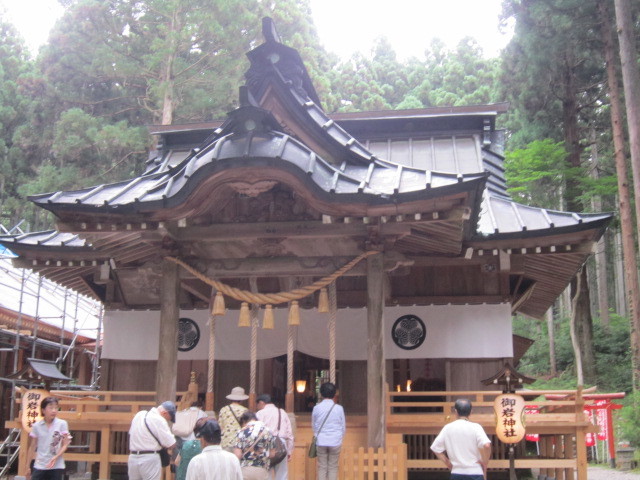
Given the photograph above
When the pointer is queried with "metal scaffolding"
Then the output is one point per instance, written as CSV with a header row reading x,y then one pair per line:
x,y
32,307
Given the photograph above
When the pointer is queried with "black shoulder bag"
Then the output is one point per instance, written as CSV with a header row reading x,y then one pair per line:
x,y
165,458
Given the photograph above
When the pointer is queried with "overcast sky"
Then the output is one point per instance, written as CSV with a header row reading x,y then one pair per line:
x,y
344,26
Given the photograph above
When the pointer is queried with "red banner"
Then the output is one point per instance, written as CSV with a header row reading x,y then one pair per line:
x,y
602,419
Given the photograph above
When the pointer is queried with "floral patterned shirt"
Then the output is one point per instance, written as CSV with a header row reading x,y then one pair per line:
x,y
229,425
255,440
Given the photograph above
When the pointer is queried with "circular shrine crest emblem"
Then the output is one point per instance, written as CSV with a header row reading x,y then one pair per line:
x,y
188,334
408,332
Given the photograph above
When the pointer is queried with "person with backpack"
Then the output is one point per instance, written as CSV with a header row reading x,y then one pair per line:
x,y
229,417
254,443
277,420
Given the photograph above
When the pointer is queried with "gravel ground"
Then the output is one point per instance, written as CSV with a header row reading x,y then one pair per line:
x,y
604,473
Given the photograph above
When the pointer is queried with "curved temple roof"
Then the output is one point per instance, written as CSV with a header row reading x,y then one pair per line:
x,y
250,139
445,162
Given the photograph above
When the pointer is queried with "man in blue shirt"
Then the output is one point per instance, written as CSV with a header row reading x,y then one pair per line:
x,y
329,427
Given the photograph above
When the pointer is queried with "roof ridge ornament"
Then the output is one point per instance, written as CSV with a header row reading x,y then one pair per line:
x,y
269,31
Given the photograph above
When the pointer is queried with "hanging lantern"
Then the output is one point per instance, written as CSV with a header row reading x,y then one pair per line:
x,y
301,386
219,308
509,409
294,313
244,320
267,321
323,301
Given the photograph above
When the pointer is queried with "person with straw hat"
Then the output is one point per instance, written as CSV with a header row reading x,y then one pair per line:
x,y
229,417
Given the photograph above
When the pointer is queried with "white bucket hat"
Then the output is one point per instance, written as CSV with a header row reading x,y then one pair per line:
x,y
237,394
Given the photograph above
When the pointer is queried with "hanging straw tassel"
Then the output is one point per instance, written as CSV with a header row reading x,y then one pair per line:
x,y
294,313
323,301
219,308
267,321
244,320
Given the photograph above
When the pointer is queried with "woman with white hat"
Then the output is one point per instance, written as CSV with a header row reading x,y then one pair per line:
x,y
229,417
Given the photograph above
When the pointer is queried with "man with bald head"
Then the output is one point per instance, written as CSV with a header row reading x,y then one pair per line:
x,y
463,445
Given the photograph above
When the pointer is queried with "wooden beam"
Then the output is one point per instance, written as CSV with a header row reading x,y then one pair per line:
x,y
376,397
197,289
287,266
167,366
348,297
284,229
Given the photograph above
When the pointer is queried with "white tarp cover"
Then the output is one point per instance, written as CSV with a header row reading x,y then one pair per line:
x,y
452,331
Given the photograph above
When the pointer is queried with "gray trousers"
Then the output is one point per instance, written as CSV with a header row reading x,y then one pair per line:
x,y
328,462
144,467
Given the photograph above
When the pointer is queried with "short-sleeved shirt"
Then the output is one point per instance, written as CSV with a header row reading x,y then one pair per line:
x,y
214,463
229,425
140,438
49,440
463,441
255,440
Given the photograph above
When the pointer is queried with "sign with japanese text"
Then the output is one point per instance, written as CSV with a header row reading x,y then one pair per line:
x,y
509,410
602,419
31,400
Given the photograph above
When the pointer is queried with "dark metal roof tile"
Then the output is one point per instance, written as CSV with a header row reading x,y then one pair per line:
x,y
502,216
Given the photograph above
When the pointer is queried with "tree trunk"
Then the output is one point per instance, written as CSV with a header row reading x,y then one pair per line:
x,y
629,251
602,307
631,83
553,370
618,271
573,329
583,325
581,319
168,80
627,55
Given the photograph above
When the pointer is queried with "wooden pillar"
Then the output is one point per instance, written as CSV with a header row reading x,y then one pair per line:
x,y
289,396
375,351
211,365
167,367
581,434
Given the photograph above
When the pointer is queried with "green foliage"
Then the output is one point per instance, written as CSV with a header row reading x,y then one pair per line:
x,y
113,67
458,77
630,419
612,353
94,148
536,174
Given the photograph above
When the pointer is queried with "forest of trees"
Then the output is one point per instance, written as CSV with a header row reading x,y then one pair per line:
x,y
76,115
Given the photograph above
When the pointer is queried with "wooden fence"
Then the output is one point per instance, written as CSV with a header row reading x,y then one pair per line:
x,y
415,418
366,463
100,422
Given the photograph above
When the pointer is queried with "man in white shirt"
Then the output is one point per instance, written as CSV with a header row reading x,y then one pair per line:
x,y
277,420
148,434
213,463
463,445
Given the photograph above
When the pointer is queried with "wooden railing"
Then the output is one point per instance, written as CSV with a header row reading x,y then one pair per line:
x,y
100,421
415,418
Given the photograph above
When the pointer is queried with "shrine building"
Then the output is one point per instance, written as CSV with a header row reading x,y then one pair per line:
x,y
397,223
